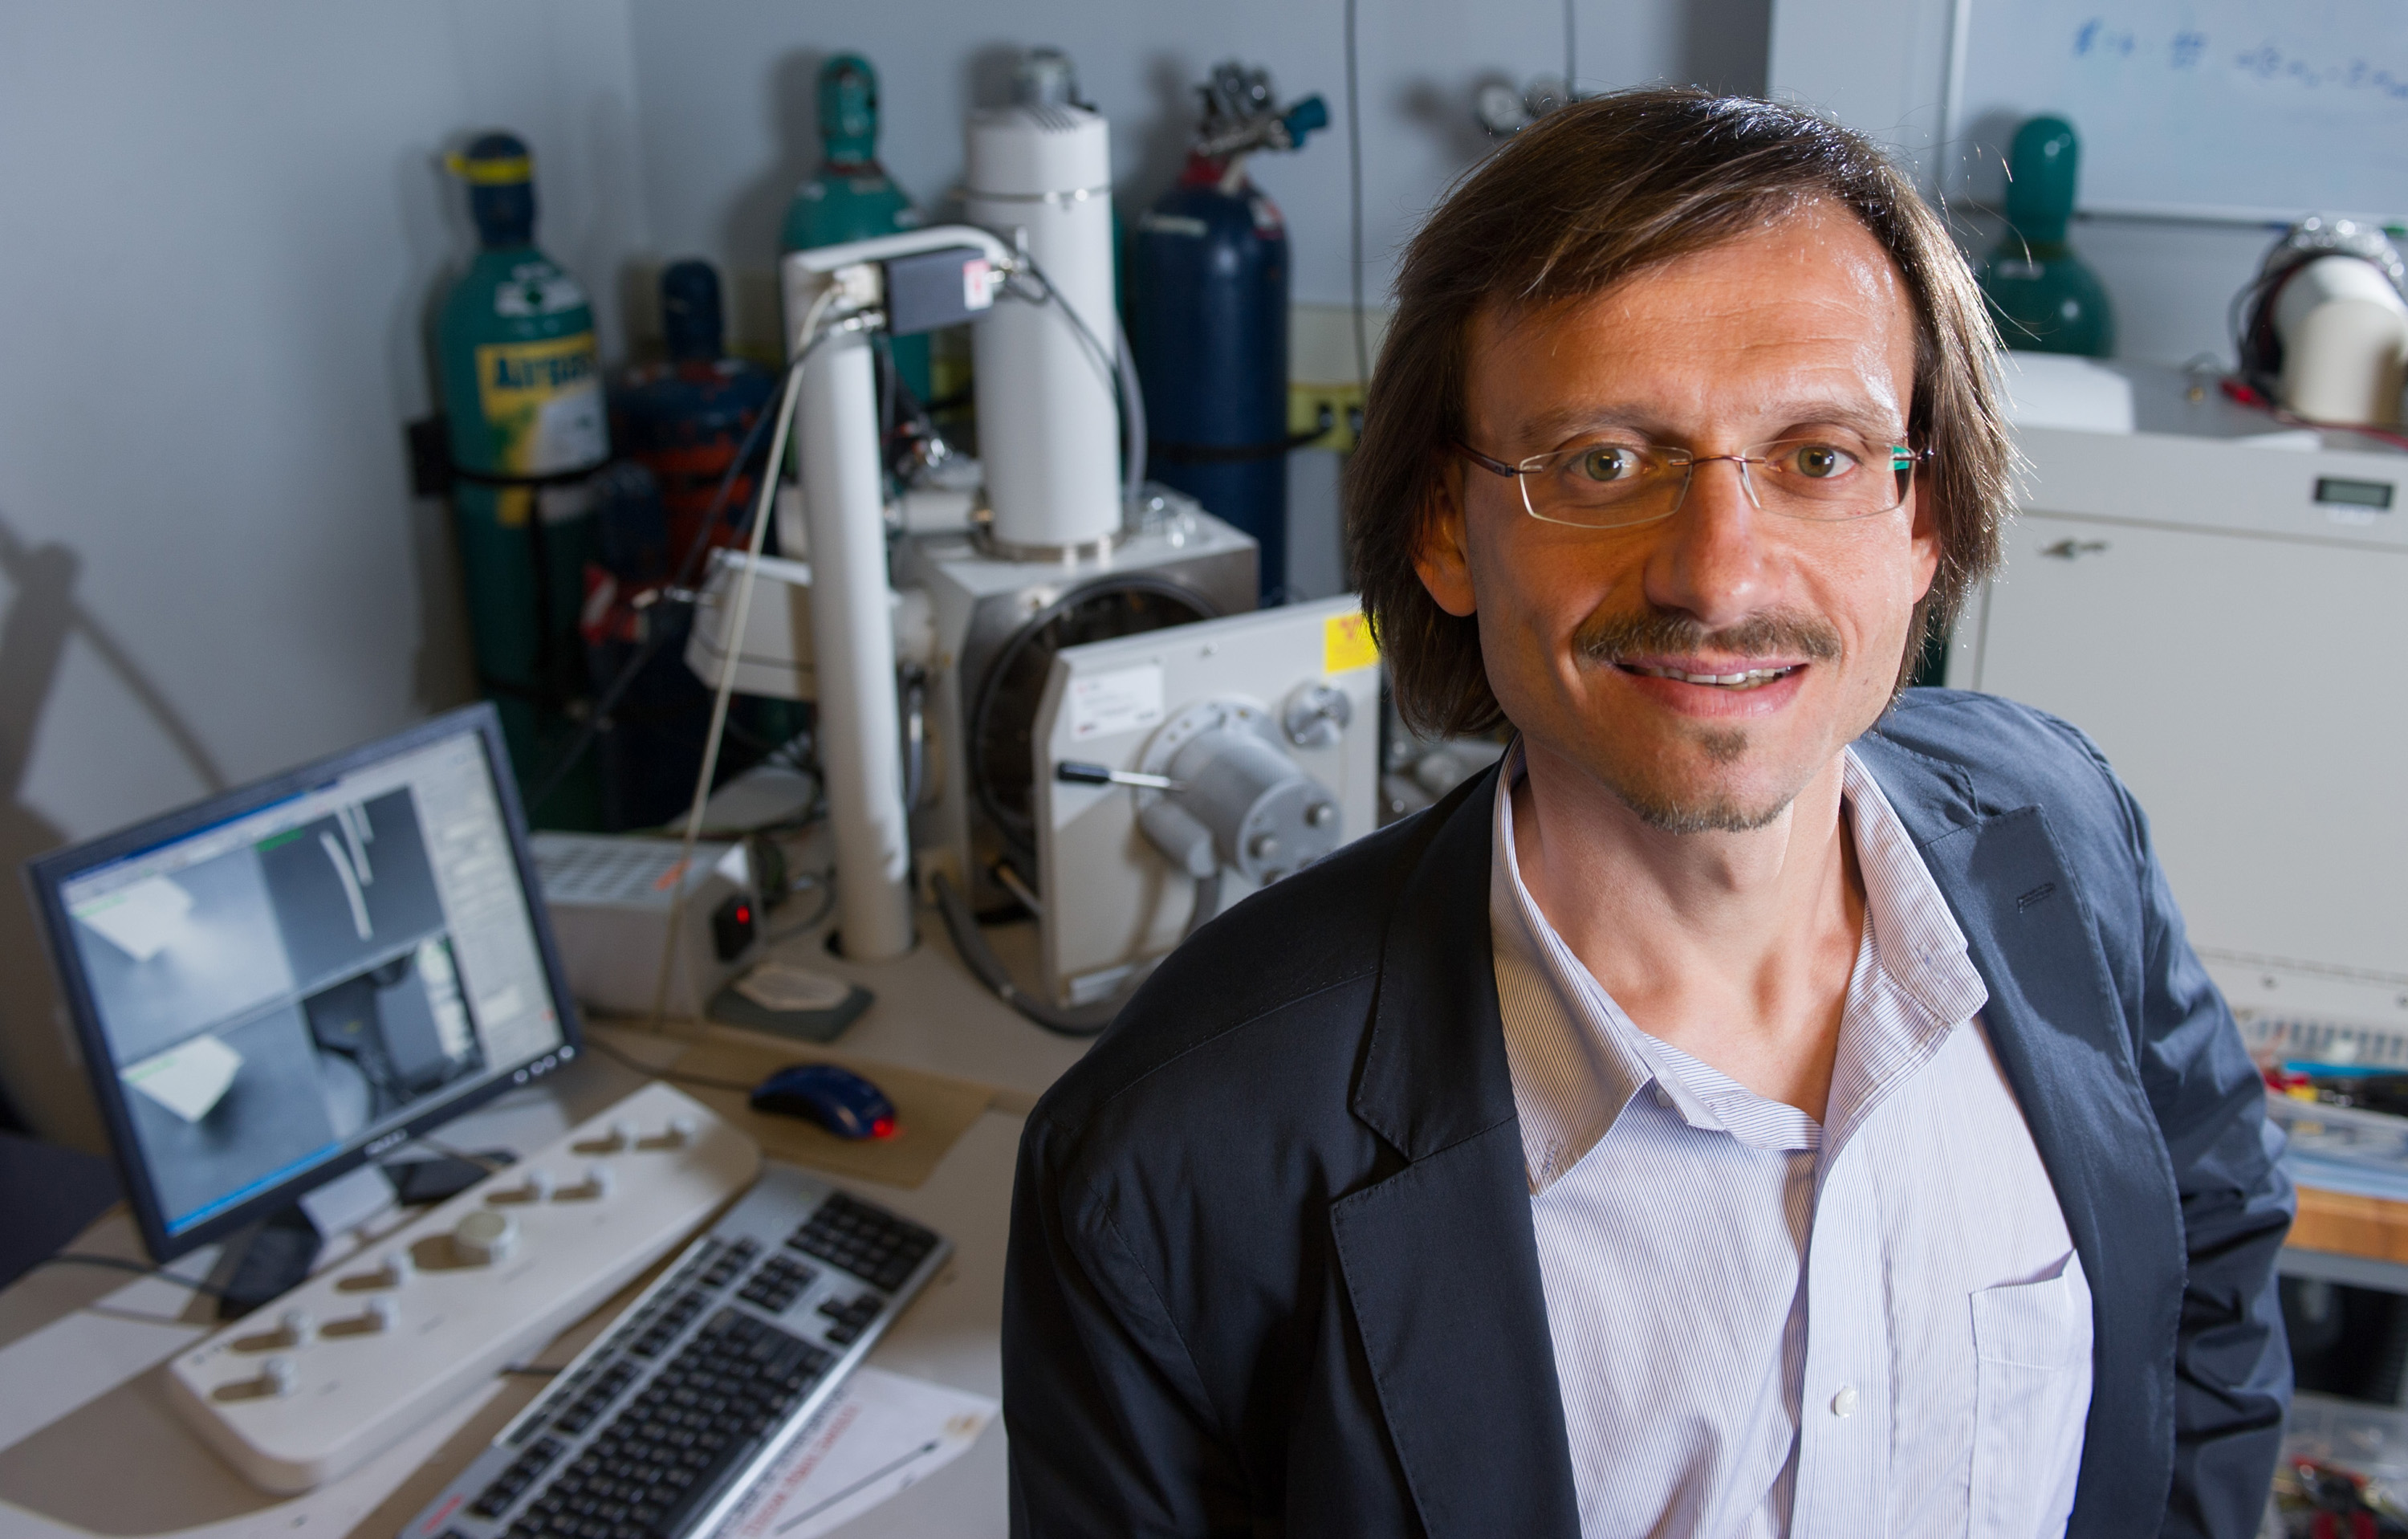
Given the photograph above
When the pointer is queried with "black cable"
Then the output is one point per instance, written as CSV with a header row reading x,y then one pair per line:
x,y
482,1162
683,579
118,1263
1571,56
1122,372
671,1074
1048,294
962,925
1354,203
656,634
771,752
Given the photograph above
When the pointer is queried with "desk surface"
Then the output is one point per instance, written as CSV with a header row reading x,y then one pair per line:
x,y
88,1444
2369,1228
931,1013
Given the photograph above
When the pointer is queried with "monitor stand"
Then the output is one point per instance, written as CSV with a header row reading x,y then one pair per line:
x,y
267,1262
276,1256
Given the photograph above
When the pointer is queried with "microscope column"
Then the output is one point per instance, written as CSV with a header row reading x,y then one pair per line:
x,y
1049,415
852,642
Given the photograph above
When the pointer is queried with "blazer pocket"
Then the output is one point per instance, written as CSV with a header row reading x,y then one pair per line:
x,y
2031,1394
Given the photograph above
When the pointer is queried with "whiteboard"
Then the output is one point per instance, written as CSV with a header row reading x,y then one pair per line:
x,y
2213,108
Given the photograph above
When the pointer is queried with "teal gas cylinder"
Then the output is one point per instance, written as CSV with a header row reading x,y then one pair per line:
x,y
2046,298
852,198
522,386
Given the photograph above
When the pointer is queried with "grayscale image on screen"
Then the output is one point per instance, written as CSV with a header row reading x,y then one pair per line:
x,y
282,987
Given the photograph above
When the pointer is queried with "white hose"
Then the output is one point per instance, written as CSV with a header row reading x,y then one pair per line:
x,y
739,618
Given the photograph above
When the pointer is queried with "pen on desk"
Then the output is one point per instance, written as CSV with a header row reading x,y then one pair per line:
x,y
923,1451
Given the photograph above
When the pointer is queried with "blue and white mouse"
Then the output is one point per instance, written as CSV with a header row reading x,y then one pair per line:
x,y
837,1099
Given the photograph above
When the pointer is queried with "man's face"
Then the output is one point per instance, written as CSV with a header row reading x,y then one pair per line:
x,y
1596,639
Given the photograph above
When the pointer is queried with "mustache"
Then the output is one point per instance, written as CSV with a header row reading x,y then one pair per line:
x,y
1654,632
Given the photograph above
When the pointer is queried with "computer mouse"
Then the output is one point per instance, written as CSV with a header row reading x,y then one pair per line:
x,y
837,1099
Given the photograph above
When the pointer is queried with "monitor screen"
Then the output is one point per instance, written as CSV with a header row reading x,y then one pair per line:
x,y
280,983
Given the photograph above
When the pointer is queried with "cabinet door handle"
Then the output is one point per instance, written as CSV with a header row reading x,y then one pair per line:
x,y
2066,550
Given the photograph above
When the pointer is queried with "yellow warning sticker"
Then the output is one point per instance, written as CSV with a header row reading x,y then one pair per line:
x,y
1346,644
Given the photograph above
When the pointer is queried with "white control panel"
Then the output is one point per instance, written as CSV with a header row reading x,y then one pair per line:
x,y
304,1390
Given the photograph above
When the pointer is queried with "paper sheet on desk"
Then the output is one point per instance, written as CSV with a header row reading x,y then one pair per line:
x,y
882,1433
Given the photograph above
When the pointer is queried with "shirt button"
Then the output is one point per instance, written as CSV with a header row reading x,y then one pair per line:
x,y
1663,1097
1844,1402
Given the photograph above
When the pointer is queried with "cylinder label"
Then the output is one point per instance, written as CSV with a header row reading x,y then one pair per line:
x,y
542,403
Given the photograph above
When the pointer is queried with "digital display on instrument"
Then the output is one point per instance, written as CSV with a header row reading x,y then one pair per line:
x,y
2337,491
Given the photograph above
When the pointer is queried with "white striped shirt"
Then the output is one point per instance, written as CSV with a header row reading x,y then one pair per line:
x,y
1767,1326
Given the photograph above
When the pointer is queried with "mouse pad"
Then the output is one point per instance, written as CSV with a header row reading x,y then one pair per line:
x,y
931,1110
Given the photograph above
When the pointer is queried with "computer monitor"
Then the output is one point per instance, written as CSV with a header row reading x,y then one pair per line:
x,y
278,984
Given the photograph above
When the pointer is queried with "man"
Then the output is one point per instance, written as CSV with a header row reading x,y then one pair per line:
x,y
1770,1103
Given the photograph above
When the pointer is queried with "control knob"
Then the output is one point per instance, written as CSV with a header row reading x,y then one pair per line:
x,y
485,1237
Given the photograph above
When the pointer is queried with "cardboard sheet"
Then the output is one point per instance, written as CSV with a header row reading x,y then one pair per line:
x,y
142,919
188,1079
931,1110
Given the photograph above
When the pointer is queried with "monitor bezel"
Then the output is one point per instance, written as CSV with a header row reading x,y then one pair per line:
x,y
47,876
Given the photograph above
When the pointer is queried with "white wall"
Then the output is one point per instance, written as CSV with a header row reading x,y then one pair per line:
x,y
1881,66
729,123
223,223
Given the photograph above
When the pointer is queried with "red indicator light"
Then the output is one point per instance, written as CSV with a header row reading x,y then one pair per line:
x,y
743,915
882,1128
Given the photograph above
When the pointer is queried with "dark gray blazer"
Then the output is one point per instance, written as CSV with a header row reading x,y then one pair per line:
x,y
1272,1269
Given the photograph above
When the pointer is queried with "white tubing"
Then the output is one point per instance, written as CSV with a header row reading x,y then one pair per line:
x,y
885,247
725,690
852,642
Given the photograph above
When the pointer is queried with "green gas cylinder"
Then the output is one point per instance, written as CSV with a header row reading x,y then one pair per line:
x,y
522,387
2046,298
852,198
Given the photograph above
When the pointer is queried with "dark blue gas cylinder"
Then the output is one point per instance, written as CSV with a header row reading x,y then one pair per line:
x,y
684,420
653,712
1210,317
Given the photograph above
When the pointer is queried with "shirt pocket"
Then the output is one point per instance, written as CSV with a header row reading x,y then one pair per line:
x,y
2031,1395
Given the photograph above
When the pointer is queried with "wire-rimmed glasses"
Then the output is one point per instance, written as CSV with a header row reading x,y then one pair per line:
x,y
1609,483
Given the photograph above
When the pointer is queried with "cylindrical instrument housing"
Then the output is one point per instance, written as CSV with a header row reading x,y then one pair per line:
x,y
2344,334
1048,408
1267,816
852,642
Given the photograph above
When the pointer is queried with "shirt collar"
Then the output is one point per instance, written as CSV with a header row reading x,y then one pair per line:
x,y
1920,950
1577,1060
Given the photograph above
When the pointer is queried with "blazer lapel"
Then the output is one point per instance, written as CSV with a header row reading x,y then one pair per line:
x,y
2058,1030
1441,1264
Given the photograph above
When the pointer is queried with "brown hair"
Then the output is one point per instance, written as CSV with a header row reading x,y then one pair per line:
x,y
1594,194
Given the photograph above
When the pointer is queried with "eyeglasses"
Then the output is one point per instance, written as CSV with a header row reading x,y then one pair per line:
x,y
1609,484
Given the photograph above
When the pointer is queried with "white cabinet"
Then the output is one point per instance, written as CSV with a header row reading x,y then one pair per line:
x,y
2239,650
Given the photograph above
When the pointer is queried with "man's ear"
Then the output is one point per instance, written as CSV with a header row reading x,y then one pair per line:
x,y
1927,538
1443,557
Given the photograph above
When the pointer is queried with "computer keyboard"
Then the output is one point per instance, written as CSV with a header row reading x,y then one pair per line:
x,y
656,1429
